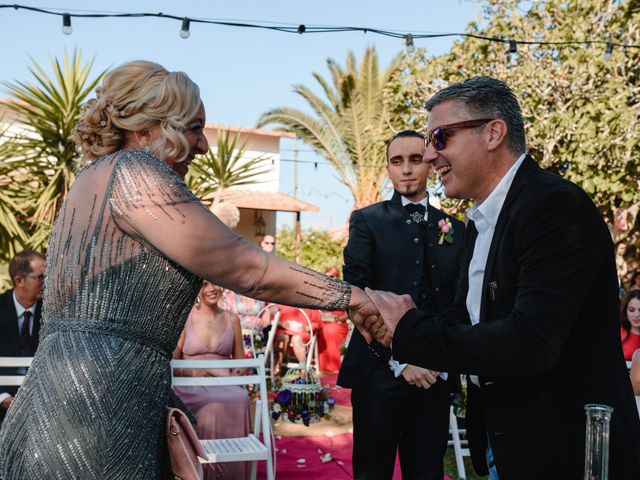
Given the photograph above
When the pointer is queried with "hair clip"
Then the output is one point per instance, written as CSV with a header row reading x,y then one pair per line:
x,y
122,114
103,123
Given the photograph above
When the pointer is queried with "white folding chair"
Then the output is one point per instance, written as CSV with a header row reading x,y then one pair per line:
x,y
269,353
311,346
14,379
460,445
242,449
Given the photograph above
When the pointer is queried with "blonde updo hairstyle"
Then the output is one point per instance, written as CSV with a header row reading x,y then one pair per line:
x,y
134,97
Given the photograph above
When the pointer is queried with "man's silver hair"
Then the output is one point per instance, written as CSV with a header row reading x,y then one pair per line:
x,y
487,97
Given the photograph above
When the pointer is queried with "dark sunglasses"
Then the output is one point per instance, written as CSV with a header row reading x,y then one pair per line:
x,y
438,136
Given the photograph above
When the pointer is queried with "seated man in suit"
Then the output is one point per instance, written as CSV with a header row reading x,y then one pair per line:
x,y
20,311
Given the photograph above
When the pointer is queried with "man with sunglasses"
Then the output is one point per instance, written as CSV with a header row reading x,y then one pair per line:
x,y
396,245
20,313
537,348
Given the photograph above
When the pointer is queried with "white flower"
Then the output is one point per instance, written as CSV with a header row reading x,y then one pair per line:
x,y
277,408
312,403
326,457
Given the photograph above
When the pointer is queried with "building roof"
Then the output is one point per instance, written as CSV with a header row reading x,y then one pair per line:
x,y
258,200
251,131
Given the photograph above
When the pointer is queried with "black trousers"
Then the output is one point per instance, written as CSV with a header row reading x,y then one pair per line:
x,y
389,415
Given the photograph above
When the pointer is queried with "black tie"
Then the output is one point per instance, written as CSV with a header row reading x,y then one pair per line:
x,y
416,211
25,335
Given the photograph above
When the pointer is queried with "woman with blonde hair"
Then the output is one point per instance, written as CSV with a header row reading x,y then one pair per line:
x,y
127,254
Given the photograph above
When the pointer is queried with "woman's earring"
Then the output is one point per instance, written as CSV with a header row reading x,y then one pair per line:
x,y
198,301
147,148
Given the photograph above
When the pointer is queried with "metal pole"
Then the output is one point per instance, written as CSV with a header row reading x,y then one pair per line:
x,y
298,237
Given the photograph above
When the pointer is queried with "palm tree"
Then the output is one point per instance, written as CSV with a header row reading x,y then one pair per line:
x,y
41,149
210,174
350,127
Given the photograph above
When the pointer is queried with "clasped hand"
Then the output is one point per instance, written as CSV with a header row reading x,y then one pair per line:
x,y
376,314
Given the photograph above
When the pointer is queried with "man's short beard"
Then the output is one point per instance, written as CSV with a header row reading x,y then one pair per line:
x,y
410,193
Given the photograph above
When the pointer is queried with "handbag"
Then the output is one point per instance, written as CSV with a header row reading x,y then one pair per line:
x,y
184,447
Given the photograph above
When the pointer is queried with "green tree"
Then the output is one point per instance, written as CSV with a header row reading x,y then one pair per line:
x,y
350,126
581,108
38,152
210,174
318,250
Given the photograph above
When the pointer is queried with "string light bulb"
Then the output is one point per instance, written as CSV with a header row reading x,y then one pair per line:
x,y
184,31
409,47
608,52
513,46
302,29
67,29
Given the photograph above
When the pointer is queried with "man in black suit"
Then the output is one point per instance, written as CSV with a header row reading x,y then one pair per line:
x,y
537,347
403,245
20,311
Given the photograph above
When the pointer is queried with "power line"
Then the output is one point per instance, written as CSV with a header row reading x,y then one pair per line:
x,y
316,164
407,38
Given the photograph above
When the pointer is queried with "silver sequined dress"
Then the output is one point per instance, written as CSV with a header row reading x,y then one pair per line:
x,y
129,247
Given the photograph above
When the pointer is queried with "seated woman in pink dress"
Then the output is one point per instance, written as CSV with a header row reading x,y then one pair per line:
x,y
212,333
630,323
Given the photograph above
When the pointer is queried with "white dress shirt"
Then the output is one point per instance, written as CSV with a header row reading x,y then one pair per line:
x,y
20,316
485,216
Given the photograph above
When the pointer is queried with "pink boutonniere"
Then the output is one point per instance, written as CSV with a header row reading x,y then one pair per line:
x,y
445,229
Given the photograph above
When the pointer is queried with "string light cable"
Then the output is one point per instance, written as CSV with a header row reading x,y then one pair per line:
x,y
407,39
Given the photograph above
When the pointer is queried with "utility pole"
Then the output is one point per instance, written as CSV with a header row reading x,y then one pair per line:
x,y
296,221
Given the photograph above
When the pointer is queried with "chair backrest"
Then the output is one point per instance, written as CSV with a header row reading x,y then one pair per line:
x,y
257,330
12,369
256,379
268,349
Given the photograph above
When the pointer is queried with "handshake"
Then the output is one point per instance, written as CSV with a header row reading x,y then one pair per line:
x,y
376,313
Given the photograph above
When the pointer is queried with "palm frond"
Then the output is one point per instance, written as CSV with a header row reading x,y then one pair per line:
x,y
348,125
46,108
227,166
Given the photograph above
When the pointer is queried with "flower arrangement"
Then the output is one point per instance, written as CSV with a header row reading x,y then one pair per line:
x,y
302,398
258,346
445,230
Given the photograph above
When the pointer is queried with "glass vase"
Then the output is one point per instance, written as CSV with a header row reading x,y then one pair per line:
x,y
596,450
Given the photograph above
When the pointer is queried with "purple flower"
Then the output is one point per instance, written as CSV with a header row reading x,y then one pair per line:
x,y
331,401
275,415
284,396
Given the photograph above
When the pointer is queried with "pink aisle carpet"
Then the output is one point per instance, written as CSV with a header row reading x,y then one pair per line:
x,y
318,457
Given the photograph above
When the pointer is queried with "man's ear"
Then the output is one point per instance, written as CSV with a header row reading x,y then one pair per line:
x,y
496,132
18,281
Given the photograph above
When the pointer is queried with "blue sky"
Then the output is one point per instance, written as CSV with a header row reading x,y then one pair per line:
x,y
241,72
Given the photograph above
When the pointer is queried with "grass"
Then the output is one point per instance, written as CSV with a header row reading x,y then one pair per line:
x,y
450,467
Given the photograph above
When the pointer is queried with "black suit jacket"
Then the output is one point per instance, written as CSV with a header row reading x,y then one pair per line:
x,y
385,251
9,332
548,341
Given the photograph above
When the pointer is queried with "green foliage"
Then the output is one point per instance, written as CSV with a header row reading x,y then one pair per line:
x,y
349,127
581,110
318,250
225,167
38,158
